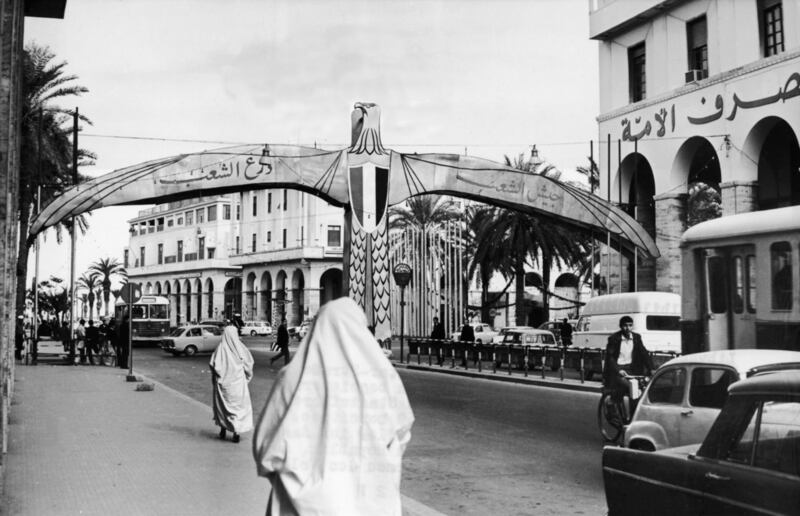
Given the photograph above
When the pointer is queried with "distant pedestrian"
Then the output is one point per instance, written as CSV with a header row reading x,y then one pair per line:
x,y
331,436
66,339
566,333
80,342
92,342
123,333
19,337
232,368
467,333
282,343
438,330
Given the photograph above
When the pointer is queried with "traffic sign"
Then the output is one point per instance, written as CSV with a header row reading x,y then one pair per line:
x,y
131,292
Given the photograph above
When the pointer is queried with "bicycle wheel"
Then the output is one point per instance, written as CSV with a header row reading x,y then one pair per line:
x,y
609,419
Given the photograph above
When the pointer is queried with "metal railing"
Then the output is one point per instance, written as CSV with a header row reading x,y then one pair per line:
x,y
511,358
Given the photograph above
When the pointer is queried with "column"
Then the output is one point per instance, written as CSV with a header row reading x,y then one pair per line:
x,y
670,225
739,197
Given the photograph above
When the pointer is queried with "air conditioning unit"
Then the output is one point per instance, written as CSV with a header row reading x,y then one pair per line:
x,y
695,75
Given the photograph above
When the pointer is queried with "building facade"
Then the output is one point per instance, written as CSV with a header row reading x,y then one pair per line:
x,y
290,253
182,250
261,254
692,94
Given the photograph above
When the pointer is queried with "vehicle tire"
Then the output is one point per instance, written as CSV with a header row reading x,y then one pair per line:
x,y
252,332
610,430
189,351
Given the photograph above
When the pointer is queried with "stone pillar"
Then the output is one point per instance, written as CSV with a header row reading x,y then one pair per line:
x,y
312,301
739,197
670,225
218,302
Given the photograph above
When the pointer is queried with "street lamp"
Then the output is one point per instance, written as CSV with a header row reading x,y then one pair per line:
x,y
402,276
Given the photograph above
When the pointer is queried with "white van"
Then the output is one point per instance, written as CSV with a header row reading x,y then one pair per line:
x,y
656,317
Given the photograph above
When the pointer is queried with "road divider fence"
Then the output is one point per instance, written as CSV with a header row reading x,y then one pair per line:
x,y
514,358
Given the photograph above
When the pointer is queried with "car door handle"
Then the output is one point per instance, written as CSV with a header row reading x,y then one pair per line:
x,y
687,413
714,476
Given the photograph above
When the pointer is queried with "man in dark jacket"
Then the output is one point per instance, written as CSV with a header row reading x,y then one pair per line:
x,y
123,333
625,355
438,330
282,342
467,333
92,341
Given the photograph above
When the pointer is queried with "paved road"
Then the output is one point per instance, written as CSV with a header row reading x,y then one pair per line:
x,y
478,447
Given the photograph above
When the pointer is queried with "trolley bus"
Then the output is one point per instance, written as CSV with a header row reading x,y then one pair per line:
x,y
739,288
150,320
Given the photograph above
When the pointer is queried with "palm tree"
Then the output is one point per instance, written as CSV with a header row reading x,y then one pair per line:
x,y
46,150
524,239
484,260
423,212
108,268
89,281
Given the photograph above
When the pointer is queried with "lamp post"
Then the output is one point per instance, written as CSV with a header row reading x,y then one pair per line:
x,y
402,276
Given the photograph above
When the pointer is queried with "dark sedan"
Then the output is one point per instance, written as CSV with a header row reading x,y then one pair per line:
x,y
749,463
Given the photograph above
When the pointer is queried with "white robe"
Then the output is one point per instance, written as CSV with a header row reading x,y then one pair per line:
x,y
332,434
232,367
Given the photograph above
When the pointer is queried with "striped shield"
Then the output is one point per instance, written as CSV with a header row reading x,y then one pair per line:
x,y
369,194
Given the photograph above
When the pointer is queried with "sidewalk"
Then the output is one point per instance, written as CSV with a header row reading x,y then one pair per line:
x,y
83,440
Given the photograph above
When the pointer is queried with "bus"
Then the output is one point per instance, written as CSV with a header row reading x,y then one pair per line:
x,y
739,289
150,317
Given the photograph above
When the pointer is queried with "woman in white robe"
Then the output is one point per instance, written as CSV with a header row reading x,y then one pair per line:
x,y
231,370
332,434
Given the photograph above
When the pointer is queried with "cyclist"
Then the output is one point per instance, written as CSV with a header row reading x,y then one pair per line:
x,y
625,355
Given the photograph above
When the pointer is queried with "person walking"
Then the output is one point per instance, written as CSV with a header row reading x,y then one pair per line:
x,y
467,335
123,333
565,331
92,342
282,342
231,371
19,337
80,342
438,330
66,339
333,443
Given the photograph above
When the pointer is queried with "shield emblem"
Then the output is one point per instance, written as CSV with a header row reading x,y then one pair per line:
x,y
369,186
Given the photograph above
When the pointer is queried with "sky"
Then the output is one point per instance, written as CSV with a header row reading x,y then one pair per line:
x,y
483,77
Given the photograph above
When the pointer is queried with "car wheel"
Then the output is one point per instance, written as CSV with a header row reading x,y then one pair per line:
x,y
252,333
190,351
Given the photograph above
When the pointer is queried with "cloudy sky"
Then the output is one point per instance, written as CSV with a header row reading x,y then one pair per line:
x,y
488,78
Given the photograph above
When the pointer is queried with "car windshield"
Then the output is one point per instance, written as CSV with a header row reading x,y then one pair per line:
x,y
177,332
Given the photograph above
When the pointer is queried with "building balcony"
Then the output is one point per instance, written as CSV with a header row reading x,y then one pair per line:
x,y
287,255
610,17
172,266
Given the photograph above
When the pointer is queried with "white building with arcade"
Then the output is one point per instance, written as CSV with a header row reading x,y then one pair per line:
x,y
694,91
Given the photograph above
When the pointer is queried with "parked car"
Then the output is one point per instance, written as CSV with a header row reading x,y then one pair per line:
x,y
686,394
220,324
192,339
748,463
483,333
529,337
497,339
254,328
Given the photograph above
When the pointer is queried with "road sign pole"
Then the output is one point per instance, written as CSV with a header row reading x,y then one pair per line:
x,y
402,319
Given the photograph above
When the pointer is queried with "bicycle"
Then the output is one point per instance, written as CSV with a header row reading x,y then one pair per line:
x,y
613,416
